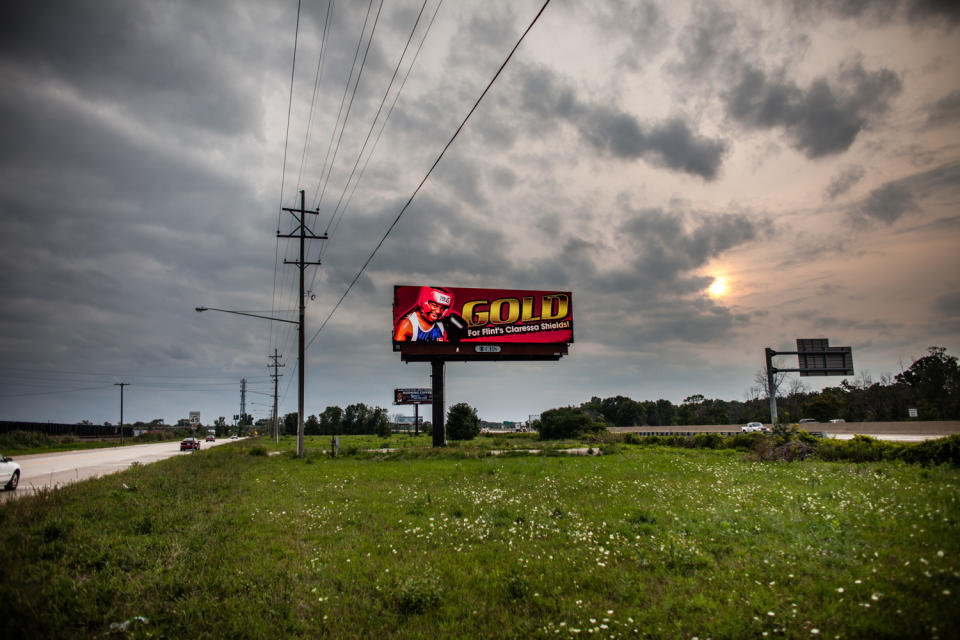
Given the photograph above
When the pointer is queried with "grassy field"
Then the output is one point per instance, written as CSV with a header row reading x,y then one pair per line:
x,y
459,543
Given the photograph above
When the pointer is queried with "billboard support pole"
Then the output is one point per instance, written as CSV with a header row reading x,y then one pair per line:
x,y
416,418
436,373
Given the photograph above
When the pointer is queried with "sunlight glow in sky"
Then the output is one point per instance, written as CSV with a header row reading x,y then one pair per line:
x,y
719,288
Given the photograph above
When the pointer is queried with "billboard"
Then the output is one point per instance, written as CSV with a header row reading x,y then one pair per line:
x,y
413,396
432,322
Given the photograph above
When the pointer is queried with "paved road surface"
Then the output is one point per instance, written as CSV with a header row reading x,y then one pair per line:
x,y
47,470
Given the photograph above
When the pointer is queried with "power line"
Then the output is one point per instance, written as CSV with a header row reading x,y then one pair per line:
x,y
396,98
373,124
46,393
283,170
328,167
430,171
316,87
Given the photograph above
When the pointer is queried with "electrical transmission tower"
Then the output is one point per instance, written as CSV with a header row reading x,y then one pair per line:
x,y
243,402
276,377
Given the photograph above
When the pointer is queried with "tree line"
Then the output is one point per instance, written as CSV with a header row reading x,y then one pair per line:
x,y
356,419
931,386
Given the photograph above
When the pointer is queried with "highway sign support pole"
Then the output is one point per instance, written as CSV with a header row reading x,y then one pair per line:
x,y
771,391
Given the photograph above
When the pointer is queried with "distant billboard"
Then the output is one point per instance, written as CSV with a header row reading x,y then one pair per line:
x,y
468,323
413,396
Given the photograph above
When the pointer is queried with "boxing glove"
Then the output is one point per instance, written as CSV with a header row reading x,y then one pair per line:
x,y
455,327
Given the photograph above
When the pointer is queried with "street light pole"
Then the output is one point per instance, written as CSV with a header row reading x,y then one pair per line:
x,y
254,315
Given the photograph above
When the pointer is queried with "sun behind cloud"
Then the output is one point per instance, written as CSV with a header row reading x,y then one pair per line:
x,y
719,288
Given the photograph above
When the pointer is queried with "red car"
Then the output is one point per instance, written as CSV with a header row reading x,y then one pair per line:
x,y
189,443
211,439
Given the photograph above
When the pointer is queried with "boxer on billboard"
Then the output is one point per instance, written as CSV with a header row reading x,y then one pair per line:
x,y
431,319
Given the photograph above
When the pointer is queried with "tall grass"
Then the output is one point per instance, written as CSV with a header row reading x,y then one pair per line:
x,y
419,543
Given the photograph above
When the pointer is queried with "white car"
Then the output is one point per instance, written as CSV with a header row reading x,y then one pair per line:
x,y
9,474
753,427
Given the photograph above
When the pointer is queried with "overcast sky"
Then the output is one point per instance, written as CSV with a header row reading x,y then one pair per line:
x,y
708,179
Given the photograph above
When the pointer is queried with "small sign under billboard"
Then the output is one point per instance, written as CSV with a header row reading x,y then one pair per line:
x,y
471,323
413,396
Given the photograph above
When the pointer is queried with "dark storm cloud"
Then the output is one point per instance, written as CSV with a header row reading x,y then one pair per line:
x,y
114,218
717,54
462,175
888,203
945,111
127,54
943,13
670,143
657,292
873,11
432,237
641,24
707,41
891,201
844,181
666,247
822,119
935,11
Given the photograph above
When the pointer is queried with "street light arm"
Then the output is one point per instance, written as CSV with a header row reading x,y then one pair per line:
x,y
252,315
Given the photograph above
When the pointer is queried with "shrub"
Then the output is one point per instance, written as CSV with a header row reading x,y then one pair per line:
x,y
793,450
462,422
707,441
940,451
567,422
417,594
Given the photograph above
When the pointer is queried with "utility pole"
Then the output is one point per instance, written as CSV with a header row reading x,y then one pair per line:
x,y
276,377
121,385
243,402
301,232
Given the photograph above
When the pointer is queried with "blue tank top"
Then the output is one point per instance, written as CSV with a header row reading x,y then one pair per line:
x,y
419,335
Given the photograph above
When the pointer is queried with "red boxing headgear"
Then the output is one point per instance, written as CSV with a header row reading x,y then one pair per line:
x,y
442,297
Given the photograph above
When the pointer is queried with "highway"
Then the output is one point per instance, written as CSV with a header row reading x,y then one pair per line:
x,y
48,470
895,431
